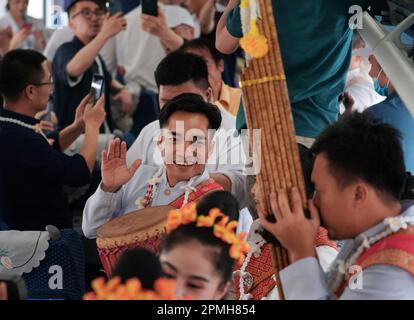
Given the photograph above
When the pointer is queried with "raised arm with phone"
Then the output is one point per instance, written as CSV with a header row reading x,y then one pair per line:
x,y
150,7
111,26
76,62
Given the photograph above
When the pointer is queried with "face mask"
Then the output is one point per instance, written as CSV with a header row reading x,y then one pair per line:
x,y
383,91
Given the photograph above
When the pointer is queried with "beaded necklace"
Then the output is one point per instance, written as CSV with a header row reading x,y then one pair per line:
x,y
25,125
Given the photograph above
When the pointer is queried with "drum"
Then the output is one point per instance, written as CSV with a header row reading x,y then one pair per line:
x,y
143,228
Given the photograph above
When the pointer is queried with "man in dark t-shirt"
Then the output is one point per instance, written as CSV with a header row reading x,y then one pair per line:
x,y
77,61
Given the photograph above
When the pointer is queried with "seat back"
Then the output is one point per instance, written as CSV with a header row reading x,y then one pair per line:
x,y
61,275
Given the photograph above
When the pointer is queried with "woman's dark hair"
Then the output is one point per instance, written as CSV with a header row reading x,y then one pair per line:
x,y
191,103
222,200
220,253
141,264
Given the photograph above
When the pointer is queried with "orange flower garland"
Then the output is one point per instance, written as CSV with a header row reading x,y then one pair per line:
x,y
253,42
223,229
132,290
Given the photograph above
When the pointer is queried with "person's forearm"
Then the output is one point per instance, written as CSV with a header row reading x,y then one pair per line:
x,y
304,280
171,41
225,42
68,135
206,17
85,57
116,85
222,180
90,146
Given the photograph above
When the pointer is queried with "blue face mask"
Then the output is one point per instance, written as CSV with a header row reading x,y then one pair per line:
x,y
383,91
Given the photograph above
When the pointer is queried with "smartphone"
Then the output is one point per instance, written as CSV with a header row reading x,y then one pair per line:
x,y
97,88
150,7
114,7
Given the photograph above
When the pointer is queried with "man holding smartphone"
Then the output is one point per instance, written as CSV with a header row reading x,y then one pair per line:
x,y
33,172
77,61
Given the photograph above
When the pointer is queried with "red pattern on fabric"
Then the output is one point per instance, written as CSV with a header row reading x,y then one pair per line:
x,y
110,257
322,239
404,242
203,188
148,196
399,241
261,269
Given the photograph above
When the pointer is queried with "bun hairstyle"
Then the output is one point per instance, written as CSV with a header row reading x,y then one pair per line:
x,y
141,264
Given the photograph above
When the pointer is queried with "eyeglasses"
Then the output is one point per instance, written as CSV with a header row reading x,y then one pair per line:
x,y
87,13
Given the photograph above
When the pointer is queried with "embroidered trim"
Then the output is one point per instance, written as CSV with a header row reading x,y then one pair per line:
x,y
338,275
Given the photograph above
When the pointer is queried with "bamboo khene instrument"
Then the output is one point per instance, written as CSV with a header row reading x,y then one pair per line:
x,y
267,107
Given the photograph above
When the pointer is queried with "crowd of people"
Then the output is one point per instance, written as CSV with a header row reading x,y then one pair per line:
x,y
166,132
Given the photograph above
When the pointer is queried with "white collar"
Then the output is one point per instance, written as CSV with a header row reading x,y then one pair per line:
x,y
196,180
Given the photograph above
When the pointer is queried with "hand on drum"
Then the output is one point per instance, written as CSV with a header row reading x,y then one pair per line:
x,y
115,172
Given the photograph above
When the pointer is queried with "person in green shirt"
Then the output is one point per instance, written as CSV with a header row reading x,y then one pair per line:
x,y
316,44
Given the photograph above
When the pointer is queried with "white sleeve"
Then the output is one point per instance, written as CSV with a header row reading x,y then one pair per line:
x,y
108,55
99,209
381,282
245,221
50,49
304,280
326,255
231,163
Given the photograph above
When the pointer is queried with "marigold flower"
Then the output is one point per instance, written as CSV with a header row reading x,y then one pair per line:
x,y
255,44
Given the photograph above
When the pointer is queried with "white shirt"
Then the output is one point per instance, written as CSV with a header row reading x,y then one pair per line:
x,y
361,88
139,53
30,42
59,37
245,221
228,157
103,206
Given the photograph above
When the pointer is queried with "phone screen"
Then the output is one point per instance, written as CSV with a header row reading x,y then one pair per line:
x,y
150,7
97,88
115,6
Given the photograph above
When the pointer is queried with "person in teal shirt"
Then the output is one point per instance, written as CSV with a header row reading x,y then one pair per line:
x,y
316,44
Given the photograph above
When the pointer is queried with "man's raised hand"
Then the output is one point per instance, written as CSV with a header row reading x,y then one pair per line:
x,y
115,172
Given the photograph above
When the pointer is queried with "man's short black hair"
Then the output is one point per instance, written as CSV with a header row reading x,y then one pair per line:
x,y
191,103
203,44
18,69
360,147
180,67
71,5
